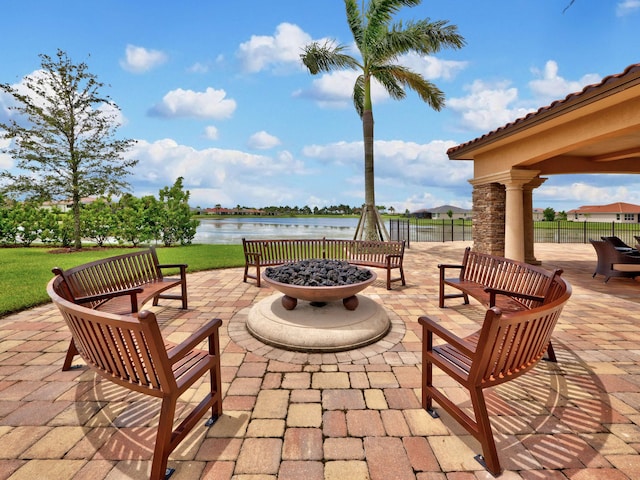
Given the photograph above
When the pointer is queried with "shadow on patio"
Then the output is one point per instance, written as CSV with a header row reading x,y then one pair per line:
x,y
349,415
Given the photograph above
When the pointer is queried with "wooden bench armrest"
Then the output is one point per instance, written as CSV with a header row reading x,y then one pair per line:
x,y
461,344
443,266
254,256
183,348
496,291
181,266
133,292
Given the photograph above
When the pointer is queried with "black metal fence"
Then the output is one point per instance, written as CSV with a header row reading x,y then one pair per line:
x,y
426,230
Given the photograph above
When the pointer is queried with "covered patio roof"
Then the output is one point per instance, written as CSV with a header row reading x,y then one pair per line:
x,y
596,130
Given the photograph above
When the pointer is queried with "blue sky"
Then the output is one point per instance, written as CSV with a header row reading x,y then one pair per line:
x,y
215,92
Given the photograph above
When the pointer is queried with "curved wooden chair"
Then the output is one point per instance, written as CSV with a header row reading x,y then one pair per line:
x,y
508,345
129,350
614,263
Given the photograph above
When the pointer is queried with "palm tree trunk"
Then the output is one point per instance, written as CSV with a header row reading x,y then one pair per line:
x,y
370,219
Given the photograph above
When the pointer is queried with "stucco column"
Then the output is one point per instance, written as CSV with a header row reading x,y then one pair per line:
x,y
514,212
513,221
527,212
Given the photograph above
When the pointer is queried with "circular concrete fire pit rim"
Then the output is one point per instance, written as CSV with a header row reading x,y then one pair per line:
x,y
330,293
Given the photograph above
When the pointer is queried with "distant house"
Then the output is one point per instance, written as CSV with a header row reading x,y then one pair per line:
x,y
439,213
615,212
66,205
232,211
538,214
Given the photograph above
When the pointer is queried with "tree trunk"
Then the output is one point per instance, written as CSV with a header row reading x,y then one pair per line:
x,y
77,231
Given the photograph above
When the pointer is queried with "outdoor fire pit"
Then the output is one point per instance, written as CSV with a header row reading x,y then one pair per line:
x,y
319,282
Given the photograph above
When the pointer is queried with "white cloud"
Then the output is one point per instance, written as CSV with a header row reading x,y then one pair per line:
x,y
487,105
140,59
281,49
6,162
335,90
400,162
263,141
211,132
580,193
186,103
627,7
432,68
550,86
166,160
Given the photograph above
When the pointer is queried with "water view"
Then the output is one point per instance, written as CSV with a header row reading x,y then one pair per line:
x,y
232,230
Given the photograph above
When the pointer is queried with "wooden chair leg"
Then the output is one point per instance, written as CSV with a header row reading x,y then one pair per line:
x,y
489,458
183,287
72,351
551,354
162,448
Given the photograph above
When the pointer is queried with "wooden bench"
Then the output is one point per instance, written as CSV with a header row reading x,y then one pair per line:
x,y
374,254
508,345
129,350
498,282
120,284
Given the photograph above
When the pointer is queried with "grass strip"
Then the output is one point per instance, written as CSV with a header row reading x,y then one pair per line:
x,y
25,272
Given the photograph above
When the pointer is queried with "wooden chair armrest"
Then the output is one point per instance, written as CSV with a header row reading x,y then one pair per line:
x,y
460,343
496,291
133,292
183,348
443,266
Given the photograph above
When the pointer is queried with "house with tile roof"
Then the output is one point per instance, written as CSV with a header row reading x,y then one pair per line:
x,y
614,212
442,212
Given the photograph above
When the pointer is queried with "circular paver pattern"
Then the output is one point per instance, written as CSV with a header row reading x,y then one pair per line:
x,y
384,333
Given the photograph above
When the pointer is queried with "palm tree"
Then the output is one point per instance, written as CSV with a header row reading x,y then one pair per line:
x,y
381,43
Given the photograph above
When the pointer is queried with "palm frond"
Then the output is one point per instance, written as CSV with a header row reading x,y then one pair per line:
x,y
354,19
326,57
426,90
391,82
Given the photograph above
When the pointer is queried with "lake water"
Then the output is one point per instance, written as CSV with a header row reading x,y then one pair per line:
x,y
232,230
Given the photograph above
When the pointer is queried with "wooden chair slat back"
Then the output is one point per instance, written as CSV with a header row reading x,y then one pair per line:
x,y
512,343
123,349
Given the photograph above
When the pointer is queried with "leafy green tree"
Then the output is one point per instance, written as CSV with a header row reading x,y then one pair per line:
x,y
98,221
130,220
562,215
51,225
63,137
450,213
549,214
381,42
177,222
26,217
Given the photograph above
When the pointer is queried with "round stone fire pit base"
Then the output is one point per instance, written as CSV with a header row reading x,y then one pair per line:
x,y
309,328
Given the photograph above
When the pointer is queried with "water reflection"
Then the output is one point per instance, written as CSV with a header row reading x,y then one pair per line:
x,y
232,230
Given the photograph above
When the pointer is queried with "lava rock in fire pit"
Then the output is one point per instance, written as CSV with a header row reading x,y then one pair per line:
x,y
318,273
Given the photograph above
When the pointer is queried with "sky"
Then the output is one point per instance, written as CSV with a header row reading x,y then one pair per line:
x,y
215,92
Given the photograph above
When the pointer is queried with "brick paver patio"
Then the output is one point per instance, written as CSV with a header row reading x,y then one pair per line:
x,y
346,416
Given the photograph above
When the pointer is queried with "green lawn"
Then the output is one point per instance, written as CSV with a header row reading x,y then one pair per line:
x,y
24,272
